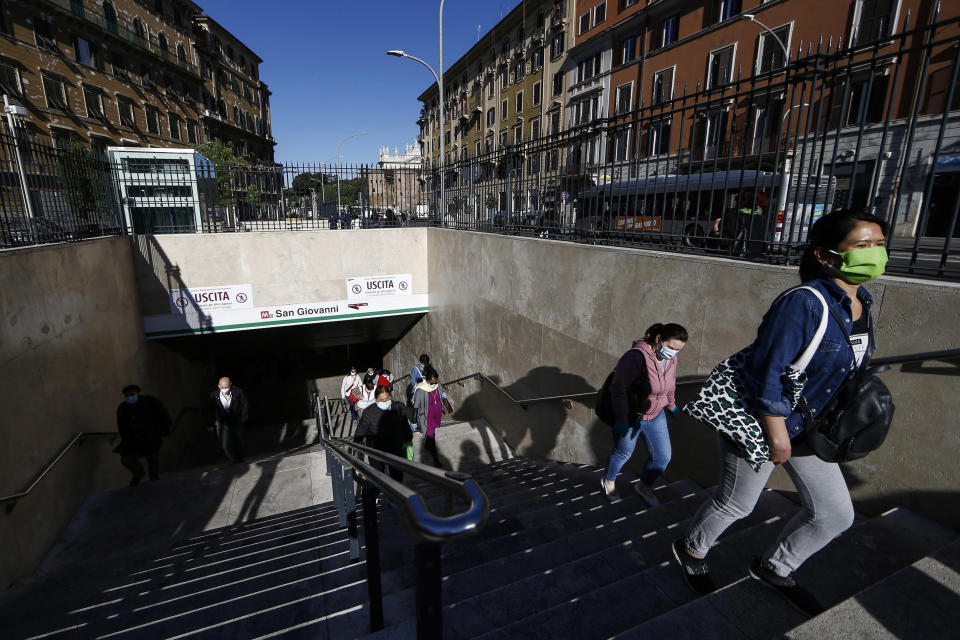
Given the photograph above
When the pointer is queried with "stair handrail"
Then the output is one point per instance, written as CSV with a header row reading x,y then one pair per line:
x,y
74,440
908,358
77,437
429,529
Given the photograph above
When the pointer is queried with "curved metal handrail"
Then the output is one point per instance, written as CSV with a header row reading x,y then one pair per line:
x,y
14,497
423,523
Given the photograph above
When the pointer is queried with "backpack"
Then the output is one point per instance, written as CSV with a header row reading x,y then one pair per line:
x,y
637,399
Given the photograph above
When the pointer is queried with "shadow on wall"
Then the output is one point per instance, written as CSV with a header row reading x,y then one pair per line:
x,y
532,431
156,276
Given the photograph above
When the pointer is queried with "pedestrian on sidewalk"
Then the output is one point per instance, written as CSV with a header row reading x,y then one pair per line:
x,y
429,405
230,417
350,388
142,422
383,426
846,249
641,393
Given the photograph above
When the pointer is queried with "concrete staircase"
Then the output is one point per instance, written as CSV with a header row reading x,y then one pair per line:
x,y
556,560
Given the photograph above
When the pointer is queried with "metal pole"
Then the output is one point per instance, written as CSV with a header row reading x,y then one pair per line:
x,y
443,180
16,150
371,539
428,591
350,498
336,159
753,18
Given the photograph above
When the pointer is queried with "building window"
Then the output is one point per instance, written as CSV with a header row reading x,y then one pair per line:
x,y
110,18
162,42
139,29
153,121
181,53
713,134
537,94
174,121
233,84
624,98
518,70
662,86
621,145
158,6
246,91
537,62
589,68
721,67
659,137
874,20
177,17
491,116
583,24
770,55
557,83
9,78
626,51
5,26
503,79
728,9
865,103
503,109
94,102
600,13
767,118
125,108
669,30
517,134
519,102
555,122
43,32
236,116
476,148
556,45
56,91
88,54
535,129
503,139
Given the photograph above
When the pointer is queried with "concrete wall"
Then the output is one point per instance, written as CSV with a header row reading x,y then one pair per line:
x,y
70,338
283,267
548,318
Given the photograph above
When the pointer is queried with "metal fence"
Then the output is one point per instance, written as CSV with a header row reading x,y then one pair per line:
x,y
739,165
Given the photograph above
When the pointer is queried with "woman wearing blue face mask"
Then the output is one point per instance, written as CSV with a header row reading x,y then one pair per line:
x,y
642,391
846,249
383,426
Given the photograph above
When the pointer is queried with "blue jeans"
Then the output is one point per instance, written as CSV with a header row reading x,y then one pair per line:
x,y
657,438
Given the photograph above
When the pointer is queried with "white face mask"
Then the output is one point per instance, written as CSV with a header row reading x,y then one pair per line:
x,y
667,353
225,390
385,405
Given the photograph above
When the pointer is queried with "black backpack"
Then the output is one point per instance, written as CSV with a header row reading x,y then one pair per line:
x,y
856,420
603,407
637,398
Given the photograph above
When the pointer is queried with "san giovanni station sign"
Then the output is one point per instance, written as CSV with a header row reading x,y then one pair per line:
x,y
233,307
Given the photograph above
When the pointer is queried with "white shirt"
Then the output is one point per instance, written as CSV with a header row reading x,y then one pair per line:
x,y
225,399
349,382
367,397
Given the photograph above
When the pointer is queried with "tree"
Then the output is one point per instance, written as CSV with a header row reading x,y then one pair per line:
x,y
226,164
491,201
85,178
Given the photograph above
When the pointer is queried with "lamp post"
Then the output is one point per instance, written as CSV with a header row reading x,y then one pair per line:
x,y
337,158
401,54
753,18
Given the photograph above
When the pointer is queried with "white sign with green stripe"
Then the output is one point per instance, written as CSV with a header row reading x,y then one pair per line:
x,y
219,320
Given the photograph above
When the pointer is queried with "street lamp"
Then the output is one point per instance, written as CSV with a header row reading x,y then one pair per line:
x,y
785,178
753,18
401,54
337,158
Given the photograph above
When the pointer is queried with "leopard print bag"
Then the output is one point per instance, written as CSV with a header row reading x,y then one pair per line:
x,y
726,405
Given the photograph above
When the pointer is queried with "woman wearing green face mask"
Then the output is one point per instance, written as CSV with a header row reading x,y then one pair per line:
x,y
846,249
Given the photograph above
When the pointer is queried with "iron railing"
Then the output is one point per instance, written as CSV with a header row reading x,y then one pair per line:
x,y
739,166
348,461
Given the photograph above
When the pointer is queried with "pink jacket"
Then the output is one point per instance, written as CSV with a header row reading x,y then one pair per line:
x,y
663,384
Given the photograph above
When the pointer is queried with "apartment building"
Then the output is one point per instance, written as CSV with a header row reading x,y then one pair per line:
x,y
699,81
121,73
505,91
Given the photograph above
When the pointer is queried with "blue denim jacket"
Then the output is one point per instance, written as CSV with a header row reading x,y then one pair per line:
x,y
786,330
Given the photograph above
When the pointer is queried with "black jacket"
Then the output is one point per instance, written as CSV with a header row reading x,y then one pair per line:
x,y
626,393
141,426
387,430
237,416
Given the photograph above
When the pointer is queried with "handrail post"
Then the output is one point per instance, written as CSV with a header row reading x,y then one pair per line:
x,y
371,539
338,493
350,504
429,591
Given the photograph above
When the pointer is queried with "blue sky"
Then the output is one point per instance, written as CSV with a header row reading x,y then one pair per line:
x,y
327,67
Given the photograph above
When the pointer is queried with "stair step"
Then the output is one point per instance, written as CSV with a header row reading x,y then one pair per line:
x,y
919,601
749,610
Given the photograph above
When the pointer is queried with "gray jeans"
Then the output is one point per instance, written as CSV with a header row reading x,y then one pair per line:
x,y
826,513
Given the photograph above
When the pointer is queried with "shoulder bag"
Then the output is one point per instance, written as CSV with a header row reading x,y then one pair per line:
x,y
725,405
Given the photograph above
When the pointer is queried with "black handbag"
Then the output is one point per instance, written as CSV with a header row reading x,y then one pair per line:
x,y
856,420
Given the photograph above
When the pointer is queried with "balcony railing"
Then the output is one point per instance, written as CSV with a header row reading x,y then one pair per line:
x,y
124,33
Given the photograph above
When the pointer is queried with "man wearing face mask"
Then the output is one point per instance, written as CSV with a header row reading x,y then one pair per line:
x,y
383,426
230,411
141,421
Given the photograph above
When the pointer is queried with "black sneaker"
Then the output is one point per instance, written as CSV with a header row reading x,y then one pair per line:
x,y
696,573
800,598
